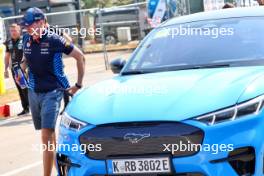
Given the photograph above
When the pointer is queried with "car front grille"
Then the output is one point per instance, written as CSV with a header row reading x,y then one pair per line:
x,y
141,139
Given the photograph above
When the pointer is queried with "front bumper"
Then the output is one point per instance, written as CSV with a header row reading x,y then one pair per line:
x,y
245,135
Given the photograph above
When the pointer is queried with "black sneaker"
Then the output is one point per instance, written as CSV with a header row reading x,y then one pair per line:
x,y
24,112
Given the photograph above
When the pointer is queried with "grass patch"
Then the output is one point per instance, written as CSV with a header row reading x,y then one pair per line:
x,y
94,48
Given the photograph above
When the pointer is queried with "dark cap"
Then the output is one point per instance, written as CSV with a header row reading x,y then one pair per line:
x,y
32,15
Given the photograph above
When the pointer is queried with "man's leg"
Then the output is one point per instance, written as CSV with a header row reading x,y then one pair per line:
x,y
24,99
34,102
23,94
48,140
50,107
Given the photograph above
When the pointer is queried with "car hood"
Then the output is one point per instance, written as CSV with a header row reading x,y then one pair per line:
x,y
168,96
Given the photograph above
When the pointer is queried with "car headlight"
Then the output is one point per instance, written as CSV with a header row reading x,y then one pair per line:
x,y
71,123
229,114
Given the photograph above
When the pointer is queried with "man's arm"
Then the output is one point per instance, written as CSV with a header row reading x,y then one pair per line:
x,y
80,60
23,64
67,37
7,63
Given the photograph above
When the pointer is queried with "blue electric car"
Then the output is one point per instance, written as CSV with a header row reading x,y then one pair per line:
x,y
189,102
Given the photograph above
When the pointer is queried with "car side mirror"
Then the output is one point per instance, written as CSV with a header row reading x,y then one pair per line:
x,y
117,65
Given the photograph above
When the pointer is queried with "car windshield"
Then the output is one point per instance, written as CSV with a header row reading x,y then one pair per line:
x,y
202,44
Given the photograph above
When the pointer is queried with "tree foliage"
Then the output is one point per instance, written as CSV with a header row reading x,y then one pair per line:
x,y
97,3
123,2
107,3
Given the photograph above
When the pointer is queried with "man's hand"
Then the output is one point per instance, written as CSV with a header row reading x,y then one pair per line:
x,y
72,90
17,79
6,74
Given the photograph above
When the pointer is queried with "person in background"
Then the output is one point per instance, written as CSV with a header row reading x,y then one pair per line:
x,y
13,57
43,57
228,5
261,2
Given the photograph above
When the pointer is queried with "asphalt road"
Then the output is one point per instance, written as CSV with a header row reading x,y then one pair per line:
x,y
18,155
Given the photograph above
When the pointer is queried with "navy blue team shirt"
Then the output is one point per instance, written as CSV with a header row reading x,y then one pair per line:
x,y
44,59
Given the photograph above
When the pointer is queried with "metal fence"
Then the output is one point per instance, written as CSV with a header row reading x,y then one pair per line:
x,y
100,29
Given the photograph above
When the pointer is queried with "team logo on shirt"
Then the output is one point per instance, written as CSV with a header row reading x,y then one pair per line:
x,y
20,46
44,51
27,49
44,44
28,44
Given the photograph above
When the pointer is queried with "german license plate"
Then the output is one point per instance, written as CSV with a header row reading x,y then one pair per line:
x,y
139,165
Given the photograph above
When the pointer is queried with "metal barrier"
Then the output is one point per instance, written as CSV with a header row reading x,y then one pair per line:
x,y
91,19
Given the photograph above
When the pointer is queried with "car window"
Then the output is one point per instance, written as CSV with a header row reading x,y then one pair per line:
x,y
205,42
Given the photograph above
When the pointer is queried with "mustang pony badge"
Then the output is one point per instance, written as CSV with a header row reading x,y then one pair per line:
x,y
135,138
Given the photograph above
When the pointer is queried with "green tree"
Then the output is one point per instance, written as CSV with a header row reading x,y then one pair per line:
x,y
97,3
123,2
108,3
